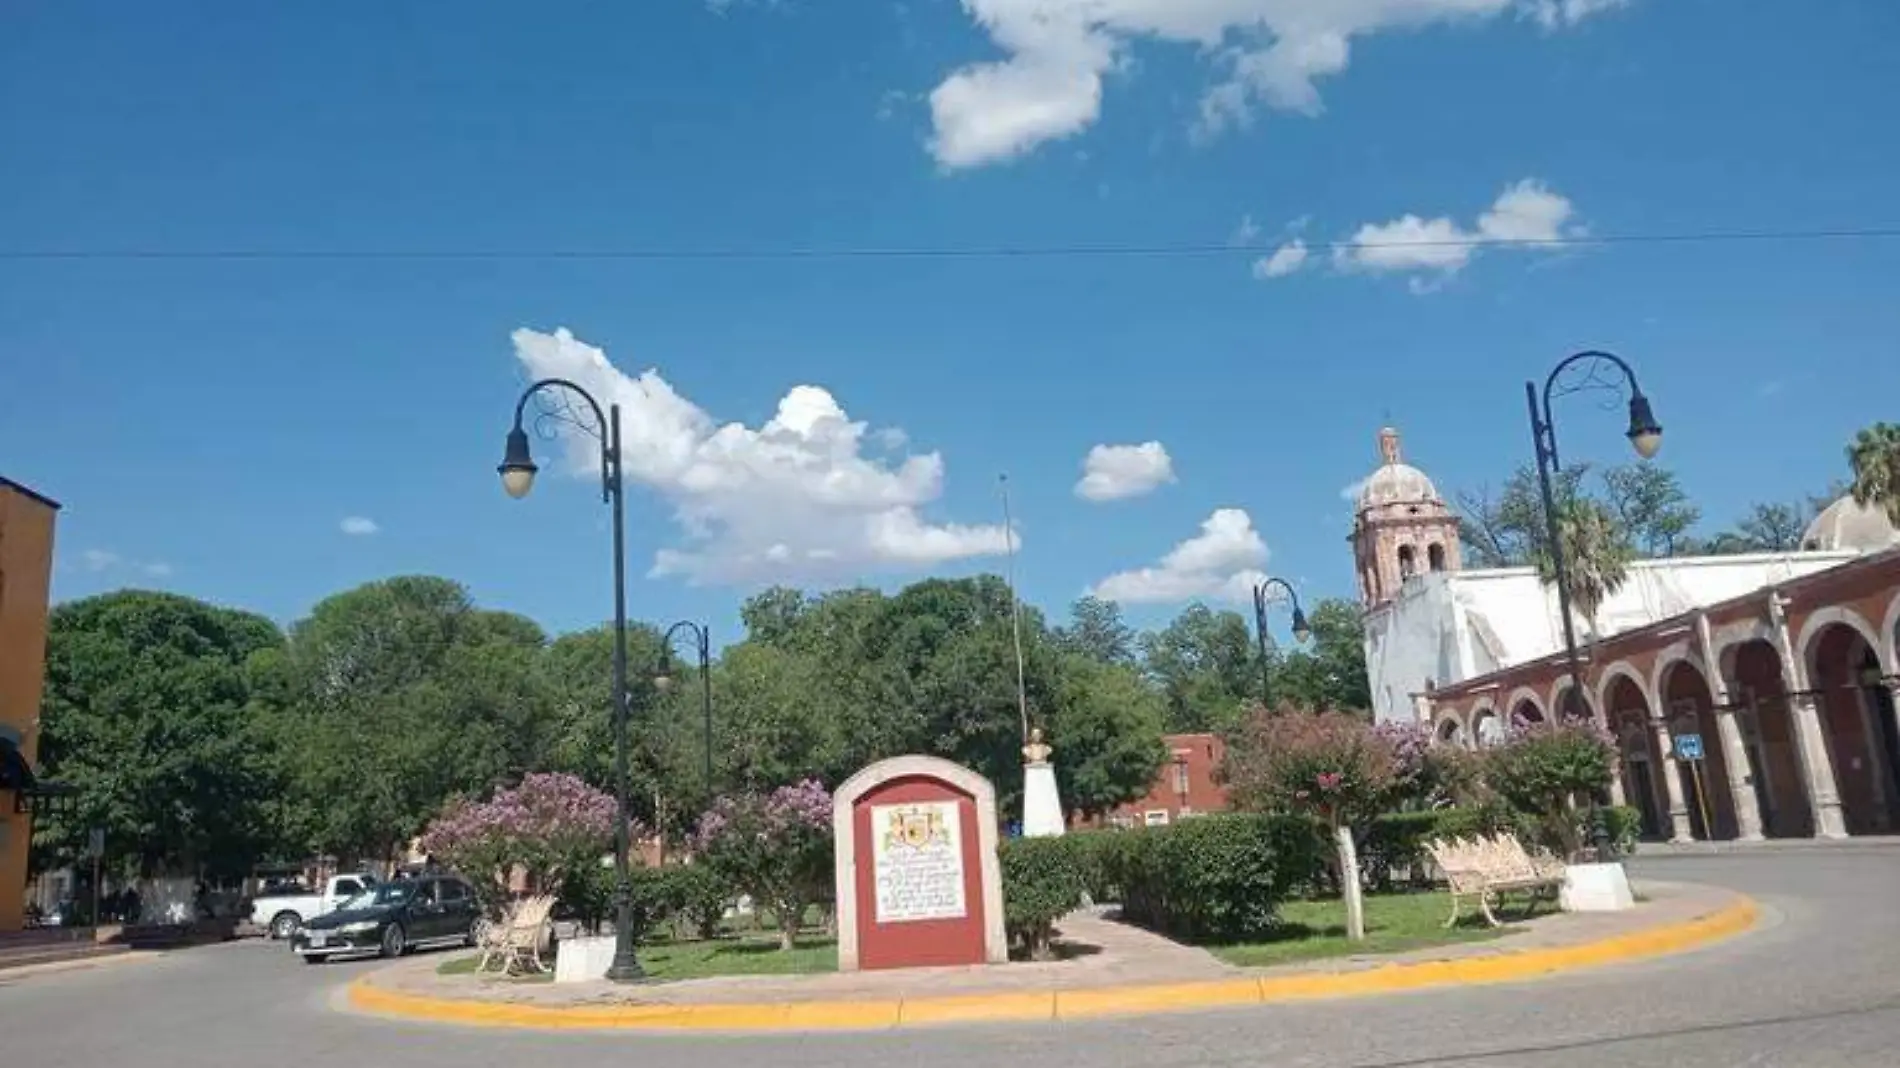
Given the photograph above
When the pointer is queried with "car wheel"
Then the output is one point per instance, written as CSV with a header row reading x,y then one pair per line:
x,y
475,932
394,941
314,958
285,924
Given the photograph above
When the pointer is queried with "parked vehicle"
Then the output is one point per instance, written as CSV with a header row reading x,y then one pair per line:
x,y
283,914
392,918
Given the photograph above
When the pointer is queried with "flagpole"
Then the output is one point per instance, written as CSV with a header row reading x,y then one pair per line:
x,y
1015,611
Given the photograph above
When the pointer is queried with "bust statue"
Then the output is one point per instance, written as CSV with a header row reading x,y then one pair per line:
x,y
1037,751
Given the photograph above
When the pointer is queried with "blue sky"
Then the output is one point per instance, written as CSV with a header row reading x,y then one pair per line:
x,y
211,422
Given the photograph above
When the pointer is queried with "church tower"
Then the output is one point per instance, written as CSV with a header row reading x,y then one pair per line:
x,y
1401,526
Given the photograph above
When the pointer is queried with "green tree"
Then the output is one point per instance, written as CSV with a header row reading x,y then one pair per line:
x,y
1206,667
1874,458
1650,510
1096,630
1767,528
1330,671
1107,726
395,696
1651,507
145,711
1597,554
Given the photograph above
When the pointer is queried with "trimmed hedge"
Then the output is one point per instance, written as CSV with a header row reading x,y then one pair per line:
x,y
1043,880
1215,878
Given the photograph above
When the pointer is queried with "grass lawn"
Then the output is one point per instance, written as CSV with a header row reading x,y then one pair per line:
x,y
465,965
700,960
1394,923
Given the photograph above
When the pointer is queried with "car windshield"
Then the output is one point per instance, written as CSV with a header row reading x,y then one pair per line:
x,y
386,894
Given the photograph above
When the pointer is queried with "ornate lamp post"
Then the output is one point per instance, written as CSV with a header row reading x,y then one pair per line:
x,y
1300,632
517,478
1645,437
663,679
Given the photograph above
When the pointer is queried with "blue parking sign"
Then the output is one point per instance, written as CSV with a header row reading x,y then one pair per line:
x,y
1689,746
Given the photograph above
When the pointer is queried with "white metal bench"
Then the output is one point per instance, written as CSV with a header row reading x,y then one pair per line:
x,y
1482,868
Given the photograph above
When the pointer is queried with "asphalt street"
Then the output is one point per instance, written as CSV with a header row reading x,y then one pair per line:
x,y
1817,985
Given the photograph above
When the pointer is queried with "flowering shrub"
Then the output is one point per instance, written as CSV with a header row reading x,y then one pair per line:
x,y
776,848
1543,768
1331,765
541,829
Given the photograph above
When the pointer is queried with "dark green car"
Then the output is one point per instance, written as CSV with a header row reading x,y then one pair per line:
x,y
392,918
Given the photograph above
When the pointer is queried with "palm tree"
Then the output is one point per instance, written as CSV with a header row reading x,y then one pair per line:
x,y
1597,554
1875,458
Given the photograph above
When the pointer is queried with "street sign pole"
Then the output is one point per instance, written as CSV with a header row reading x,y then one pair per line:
x,y
1702,797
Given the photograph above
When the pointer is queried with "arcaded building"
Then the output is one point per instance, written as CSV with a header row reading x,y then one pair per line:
x,y
1778,669
26,565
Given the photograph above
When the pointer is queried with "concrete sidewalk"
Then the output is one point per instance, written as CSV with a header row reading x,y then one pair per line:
x,y
1855,844
1111,968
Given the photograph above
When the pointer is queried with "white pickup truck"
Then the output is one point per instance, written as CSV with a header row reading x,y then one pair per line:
x,y
283,914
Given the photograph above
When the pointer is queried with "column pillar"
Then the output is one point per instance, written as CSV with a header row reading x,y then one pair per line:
x,y
1817,770
1618,796
1679,826
1741,774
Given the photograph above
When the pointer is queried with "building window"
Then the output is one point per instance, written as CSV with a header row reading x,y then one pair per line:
x,y
1155,817
1435,557
1181,777
1408,562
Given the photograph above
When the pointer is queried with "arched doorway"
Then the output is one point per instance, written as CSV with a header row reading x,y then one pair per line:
x,y
1856,718
1691,704
1451,732
1487,729
1642,762
1768,732
1526,711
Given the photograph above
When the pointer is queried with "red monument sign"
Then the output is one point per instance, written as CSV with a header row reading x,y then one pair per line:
x,y
917,876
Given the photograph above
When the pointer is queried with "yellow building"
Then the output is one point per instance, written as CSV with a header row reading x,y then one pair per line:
x,y
26,567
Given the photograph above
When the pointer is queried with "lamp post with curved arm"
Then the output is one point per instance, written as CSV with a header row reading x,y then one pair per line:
x,y
517,478
1300,632
1645,436
663,678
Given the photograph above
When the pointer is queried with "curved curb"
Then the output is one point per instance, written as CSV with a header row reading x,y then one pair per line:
x,y
363,995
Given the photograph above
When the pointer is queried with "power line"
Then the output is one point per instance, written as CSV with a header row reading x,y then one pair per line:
x,y
1057,251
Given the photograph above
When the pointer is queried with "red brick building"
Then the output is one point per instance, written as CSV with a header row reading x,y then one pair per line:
x,y
1185,785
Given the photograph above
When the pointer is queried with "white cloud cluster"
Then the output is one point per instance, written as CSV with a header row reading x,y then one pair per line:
x,y
1117,472
99,561
358,526
1525,214
1223,560
1048,85
794,499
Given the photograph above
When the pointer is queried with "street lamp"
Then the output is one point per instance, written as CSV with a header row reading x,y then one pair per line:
x,y
663,678
1301,632
1645,436
517,478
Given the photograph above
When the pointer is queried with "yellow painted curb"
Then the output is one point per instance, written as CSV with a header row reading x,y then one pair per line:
x,y
1506,967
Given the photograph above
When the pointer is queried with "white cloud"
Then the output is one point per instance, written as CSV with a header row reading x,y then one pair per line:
x,y
1116,472
1285,260
1523,215
98,559
1223,560
795,499
358,526
1056,53
1245,233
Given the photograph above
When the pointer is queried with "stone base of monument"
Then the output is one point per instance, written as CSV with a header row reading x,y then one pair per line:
x,y
1042,805
578,960
1596,888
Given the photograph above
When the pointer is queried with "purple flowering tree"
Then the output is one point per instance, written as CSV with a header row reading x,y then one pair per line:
x,y
775,848
1330,765
548,825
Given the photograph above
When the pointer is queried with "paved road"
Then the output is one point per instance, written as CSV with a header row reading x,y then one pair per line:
x,y
1820,986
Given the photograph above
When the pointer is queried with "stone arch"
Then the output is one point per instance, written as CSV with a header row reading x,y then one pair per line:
x,y
1817,623
1449,730
1553,701
1891,629
1408,560
1522,697
1487,727
1621,669
1759,679
1687,694
1628,709
1730,637
1435,556
1666,661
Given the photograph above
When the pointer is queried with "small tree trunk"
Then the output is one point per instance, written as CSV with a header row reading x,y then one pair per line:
x,y
789,914
1349,882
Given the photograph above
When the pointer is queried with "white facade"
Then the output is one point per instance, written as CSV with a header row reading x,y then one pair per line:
x,y
1446,627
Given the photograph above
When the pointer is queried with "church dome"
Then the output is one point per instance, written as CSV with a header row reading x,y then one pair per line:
x,y
1848,524
1395,482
